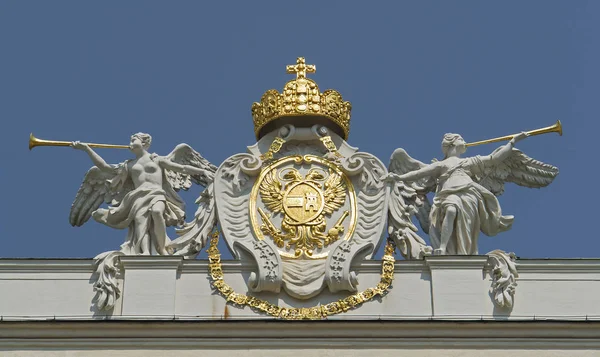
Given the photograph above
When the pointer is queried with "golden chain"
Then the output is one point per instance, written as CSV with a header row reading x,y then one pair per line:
x,y
273,149
278,143
330,146
304,313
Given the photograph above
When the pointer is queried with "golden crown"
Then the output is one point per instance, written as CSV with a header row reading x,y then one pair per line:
x,y
301,97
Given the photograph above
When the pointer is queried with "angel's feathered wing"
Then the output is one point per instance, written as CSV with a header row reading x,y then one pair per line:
x,y
401,163
97,187
183,154
406,199
334,193
518,168
194,235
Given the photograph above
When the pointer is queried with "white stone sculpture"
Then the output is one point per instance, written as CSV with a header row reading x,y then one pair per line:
x,y
142,197
465,189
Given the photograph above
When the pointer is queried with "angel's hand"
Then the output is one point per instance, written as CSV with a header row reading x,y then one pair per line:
x,y
390,177
519,137
79,145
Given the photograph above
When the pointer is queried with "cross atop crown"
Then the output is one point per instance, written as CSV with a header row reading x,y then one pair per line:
x,y
300,68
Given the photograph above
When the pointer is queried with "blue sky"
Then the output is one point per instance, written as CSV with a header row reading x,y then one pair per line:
x,y
188,71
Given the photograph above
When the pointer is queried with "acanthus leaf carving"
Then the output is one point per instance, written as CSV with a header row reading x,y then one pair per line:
x,y
503,270
107,268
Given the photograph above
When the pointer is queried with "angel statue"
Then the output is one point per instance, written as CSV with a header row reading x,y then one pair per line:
x,y
465,189
141,193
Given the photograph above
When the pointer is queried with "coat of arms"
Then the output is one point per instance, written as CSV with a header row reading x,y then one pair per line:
x,y
314,205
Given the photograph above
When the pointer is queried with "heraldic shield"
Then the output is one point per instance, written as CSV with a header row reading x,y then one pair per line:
x,y
304,205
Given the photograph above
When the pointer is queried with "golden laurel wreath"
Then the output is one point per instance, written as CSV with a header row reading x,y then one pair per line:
x,y
305,313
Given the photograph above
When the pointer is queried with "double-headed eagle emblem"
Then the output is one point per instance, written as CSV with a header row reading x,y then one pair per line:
x,y
304,202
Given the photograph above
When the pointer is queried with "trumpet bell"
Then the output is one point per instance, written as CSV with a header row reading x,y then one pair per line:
x,y
558,127
31,141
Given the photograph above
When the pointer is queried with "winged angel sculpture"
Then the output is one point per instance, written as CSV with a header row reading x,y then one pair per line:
x,y
142,197
465,200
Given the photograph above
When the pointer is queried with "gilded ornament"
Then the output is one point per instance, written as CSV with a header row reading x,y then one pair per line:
x,y
305,202
273,149
318,312
302,97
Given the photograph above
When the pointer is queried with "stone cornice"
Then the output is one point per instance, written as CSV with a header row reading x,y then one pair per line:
x,y
46,265
558,265
291,334
570,265
150,262
28,265
187,266
457,262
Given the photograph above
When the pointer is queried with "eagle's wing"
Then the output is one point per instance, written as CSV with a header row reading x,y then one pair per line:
x,y
270,192
334,193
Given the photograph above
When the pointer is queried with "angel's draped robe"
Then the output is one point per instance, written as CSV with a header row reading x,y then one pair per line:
x,y
134,211
477,209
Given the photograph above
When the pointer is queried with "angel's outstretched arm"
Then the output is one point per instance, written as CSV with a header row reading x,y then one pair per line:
x,y
504,151
184,169
96,159
429,170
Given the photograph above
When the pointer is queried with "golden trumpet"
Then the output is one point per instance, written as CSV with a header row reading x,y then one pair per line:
x,y
33,142
556,128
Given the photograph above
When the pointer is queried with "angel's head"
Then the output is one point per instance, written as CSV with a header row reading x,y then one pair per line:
x,y
140,142
453,145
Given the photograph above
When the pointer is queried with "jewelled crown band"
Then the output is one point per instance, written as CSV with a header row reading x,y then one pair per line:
x,y
302,97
